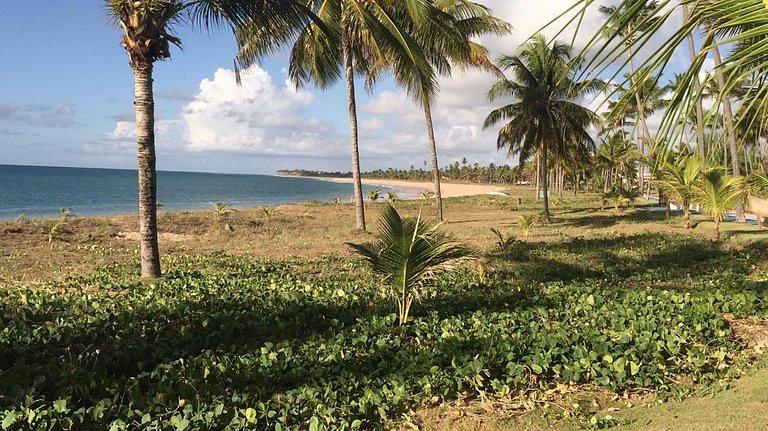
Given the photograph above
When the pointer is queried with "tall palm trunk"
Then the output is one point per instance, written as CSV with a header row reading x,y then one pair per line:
x,y
435,166
727,113
700,141
358,187
145,131
538,175
729,128
544,180
643,124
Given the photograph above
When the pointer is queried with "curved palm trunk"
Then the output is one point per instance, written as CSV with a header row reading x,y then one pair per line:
x,y
700,141
145,139
687,218
729,129
716,233
643,126
435,166
544,180
358,187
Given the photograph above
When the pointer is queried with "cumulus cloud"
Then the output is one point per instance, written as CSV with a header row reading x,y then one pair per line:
x,y
121,141
258,118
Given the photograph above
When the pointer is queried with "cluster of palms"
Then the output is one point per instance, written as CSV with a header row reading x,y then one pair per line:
x,y
474,173
685,180
415,41
732,133
730,138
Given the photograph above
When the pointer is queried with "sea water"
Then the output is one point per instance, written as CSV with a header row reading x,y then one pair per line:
x,y
37,191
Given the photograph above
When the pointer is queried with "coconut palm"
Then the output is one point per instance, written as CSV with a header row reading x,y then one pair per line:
x,y
447,38
628,29
542,117
679,181
718,194
737,24
221,210
408,252
617,156
349,38
698,107
526,222
147,37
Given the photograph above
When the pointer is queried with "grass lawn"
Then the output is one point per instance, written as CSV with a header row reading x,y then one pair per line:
x,y
603,319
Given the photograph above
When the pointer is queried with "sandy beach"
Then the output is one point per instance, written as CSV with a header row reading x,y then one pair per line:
x,y
412,189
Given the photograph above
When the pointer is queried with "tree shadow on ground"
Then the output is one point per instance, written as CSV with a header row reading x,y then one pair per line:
x,y
608,220
641,256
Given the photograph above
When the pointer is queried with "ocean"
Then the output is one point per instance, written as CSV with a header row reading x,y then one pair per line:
x,y
38,191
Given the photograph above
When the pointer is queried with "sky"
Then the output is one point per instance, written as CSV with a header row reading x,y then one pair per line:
x,y
66,99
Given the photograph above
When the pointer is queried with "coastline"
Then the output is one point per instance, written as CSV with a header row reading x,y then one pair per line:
x,y
412,189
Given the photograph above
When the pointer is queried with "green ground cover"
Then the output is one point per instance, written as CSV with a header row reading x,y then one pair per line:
x,y
232,342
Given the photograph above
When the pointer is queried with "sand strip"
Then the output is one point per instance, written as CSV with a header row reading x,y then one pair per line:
x,y
412,189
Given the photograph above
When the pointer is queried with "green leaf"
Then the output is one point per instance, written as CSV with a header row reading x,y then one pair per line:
x,y
60,406
537,368
633,368
10,419
314,423
250,415
619,365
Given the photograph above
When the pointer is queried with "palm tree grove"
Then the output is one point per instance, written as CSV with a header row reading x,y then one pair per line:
x,y
384,215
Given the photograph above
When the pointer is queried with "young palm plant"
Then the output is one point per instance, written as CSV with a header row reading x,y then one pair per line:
x,y
408,252
718,194
221,211
526,222
147,27
617,200
679,181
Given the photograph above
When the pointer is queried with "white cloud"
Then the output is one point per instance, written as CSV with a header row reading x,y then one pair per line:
x,y
258,117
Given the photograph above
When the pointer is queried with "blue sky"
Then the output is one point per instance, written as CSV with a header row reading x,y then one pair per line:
x,y
66,94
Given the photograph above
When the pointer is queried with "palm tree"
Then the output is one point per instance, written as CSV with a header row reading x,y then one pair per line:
x,y
698,107
542,116
618,25
719,194
618,158
408,252
350,38
446,38
738,24
221,210
147,37
679,180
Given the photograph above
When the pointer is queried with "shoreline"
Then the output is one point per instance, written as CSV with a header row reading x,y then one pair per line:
x,y
412,189
406,190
